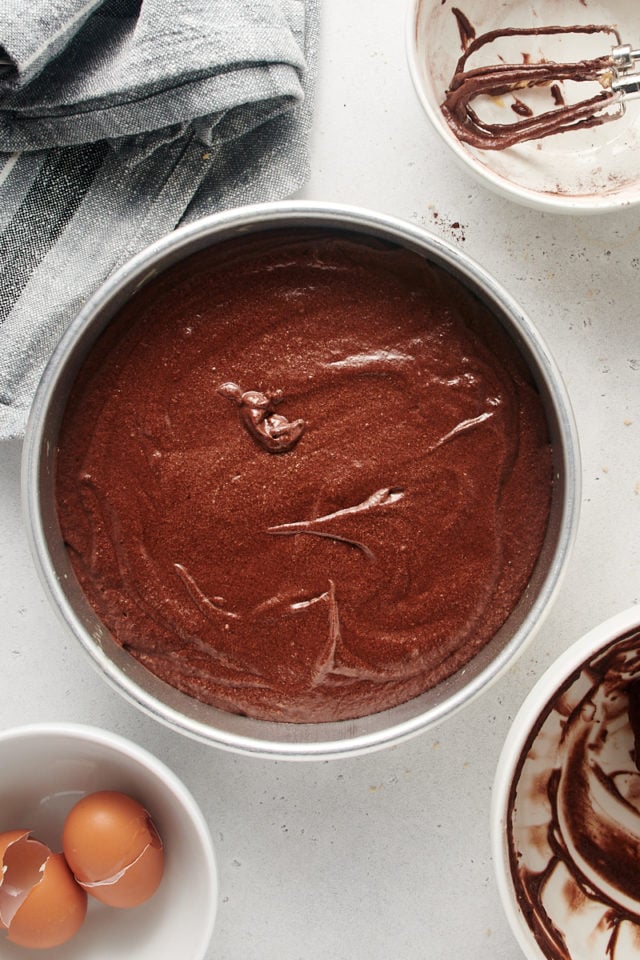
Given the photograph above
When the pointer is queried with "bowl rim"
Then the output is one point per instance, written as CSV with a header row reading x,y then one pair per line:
x,y
549,202
527,715
170,783
243,220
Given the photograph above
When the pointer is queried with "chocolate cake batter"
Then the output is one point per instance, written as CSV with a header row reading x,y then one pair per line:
x,y
574,818
304,477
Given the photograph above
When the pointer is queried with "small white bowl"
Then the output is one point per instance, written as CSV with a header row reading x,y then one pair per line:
x,y
46,768
565,813
582,171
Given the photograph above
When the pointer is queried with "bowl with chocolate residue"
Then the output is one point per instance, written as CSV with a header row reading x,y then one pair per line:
x,y
537,101
302,479
565,816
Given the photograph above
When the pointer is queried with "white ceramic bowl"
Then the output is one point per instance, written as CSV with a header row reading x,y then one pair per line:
x,y
582,171
565,817
46,768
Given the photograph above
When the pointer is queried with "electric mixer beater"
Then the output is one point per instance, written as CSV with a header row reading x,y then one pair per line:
x,y
615,75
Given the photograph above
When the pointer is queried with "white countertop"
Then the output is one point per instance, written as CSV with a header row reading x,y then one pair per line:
x,y
388,855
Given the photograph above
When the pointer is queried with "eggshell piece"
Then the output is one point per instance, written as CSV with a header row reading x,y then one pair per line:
x,y
53,911
21,862
136,884
113,848
9,837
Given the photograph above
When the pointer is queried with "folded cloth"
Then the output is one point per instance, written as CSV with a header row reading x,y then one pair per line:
x,y
121,119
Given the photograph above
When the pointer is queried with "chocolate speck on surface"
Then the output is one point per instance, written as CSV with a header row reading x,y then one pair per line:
x,y
453,228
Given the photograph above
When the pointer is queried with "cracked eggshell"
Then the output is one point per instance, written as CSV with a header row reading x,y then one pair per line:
x,y
6,840
41,905
113,849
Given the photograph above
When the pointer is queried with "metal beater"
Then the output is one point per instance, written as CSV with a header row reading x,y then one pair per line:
x,y
615,73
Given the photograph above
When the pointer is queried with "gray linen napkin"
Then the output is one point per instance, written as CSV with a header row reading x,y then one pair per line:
x,y
119,120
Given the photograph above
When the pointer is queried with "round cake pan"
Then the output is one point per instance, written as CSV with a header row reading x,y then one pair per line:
x,y
209,724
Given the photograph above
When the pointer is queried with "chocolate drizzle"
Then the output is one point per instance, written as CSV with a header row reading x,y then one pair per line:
x,y
497,80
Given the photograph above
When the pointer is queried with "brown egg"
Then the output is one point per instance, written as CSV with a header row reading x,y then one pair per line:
x,y
113,849
41,905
